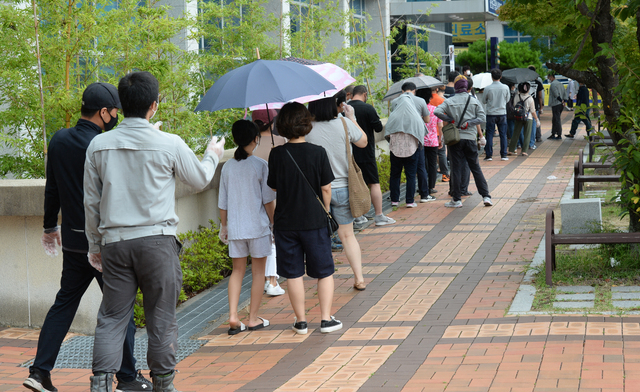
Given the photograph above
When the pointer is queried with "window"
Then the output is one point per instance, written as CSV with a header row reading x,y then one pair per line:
x,y
221,22
511,35
299,12
357,23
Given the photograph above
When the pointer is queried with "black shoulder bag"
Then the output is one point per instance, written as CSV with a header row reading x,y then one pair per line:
x,y
331,222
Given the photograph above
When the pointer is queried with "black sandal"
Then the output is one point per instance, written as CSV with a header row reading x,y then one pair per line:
x,y
237,330
265,323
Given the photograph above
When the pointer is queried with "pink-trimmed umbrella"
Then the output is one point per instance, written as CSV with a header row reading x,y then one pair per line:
x,y
334,74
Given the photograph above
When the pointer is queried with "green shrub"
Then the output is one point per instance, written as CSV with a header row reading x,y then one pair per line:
x,y
384,170
204,261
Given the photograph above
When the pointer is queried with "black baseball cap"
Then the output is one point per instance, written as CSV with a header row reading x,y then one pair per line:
x,y
100,95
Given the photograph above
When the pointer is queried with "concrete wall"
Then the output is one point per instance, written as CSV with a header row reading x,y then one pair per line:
x,y
30,279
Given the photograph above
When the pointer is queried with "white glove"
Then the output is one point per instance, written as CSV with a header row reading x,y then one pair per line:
x,y
95,259
482,141
216,147
349,112
223,234
49,241
538,123
157,125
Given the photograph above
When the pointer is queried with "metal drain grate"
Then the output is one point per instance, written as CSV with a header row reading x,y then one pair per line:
x,y
77,352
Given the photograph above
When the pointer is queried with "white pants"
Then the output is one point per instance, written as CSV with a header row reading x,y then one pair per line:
x,y
271,269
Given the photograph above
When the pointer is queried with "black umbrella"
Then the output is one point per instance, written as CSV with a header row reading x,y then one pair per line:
x,y
261,82
519,75
420,81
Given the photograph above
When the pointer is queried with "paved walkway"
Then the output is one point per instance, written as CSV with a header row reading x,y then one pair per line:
x,y
433,315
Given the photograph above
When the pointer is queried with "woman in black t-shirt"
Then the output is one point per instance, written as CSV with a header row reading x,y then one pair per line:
x,y
301,175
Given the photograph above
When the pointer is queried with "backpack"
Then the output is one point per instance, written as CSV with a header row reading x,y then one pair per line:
x,y
511,111
519,111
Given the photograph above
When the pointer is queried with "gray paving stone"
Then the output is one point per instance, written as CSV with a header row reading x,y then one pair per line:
x,y
625,296
524,299
575,289
573,305
626,304
575,297
625,289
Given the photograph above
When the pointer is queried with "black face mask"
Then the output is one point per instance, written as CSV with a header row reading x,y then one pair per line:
x,y
111,124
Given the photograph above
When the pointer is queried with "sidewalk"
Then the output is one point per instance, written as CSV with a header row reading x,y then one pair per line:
x,y
433,315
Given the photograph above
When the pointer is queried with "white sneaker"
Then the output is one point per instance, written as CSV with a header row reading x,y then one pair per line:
x,y
504,159
360,220
487,201
412,205
453,204
274,291
427,199
266,284
382,220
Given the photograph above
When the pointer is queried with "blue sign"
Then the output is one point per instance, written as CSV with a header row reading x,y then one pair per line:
x,y
493,6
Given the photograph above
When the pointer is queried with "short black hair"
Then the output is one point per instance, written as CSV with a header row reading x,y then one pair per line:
x,y
324,109
408,86
294,120
452,76
469,84
137,92
340,97
360,89
465,68
349,89
496,74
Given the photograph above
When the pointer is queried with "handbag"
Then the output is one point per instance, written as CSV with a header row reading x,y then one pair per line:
x,y
332,224
451,132
359,194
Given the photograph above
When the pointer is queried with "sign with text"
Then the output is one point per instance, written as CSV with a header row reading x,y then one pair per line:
x,y
468,31
493,6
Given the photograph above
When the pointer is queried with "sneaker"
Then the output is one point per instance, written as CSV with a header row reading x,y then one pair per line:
x,y
274,291
394,203
432,191
266,284
370,215
467,193
539,140
558,137
551,137
336,247
39,382
488,159
533,147
382,220
504,159
327,326
137,385
569,136
360,220
445,178
487,201
427,199
299,327
453,204
412,205
164,383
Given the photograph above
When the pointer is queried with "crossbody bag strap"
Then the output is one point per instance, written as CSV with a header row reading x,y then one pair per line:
x,y
346,134
464,111
308,183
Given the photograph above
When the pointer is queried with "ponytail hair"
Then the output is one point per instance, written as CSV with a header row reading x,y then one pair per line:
x,y
244,132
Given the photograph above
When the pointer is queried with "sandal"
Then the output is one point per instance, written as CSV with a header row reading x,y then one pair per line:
x,y
360,286
511,153
237,330
265,323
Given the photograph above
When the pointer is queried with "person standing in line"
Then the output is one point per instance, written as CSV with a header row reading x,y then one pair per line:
x,y
246,206
449,90
443,162
348,91
571,94
537,92
557,99
63,191
406,130
451,110
525,125
581,115
328,131
367,118
265,121
423,178
432,142
495,98
300,174
129,203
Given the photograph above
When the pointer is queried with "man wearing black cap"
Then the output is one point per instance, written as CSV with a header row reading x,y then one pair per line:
x,y
63,191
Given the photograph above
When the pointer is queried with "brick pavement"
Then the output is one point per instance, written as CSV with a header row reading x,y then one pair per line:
x,y
432,317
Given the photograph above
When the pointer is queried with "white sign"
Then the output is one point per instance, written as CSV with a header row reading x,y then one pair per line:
x,y
452,60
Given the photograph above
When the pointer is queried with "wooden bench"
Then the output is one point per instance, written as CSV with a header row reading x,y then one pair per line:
x,y
552,239
579,178
597,141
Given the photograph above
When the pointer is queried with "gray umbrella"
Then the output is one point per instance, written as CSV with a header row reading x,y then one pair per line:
x,y
519,75
420,81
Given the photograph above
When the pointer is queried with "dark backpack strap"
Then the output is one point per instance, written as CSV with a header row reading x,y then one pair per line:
x,y
308,183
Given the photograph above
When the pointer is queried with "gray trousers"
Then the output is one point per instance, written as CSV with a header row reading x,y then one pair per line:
x,y
152,264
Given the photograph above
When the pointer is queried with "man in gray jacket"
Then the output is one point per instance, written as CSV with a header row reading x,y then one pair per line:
x,y
557,99
451,111
495,98
129,202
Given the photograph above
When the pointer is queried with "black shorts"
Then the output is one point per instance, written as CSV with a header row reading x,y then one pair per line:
x,y
293,246
369,172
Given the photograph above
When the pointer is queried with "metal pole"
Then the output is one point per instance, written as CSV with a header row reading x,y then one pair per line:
x,y
44,126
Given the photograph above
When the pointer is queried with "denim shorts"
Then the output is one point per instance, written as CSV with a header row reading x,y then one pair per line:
x,y
297,249
254,247
340,208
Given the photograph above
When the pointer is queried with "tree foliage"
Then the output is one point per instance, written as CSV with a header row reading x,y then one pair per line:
x,y
413,57
512,55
